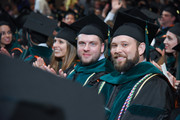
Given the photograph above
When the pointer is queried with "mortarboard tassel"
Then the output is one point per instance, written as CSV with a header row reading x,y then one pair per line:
x,y
147,42
109,40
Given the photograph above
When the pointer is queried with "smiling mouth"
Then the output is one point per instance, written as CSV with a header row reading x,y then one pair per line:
x,y
86,55
7,40
120,58
57,50
166,47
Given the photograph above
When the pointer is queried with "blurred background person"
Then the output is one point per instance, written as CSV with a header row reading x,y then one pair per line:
x,y
8,44
40,28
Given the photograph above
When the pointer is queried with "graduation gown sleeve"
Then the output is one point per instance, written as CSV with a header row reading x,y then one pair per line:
x,y
154,101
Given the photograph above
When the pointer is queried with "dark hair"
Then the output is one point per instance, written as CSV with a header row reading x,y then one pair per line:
x,y
38,38
4,23
8,24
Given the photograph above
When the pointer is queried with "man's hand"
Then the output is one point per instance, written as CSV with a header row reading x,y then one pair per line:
x,y
116,5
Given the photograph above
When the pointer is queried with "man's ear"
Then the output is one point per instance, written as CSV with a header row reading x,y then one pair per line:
x,y
102,47
173,18
63,20
141,48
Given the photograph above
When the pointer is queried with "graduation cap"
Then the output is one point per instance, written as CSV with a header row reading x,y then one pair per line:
x,y
92,25
175,29
41,24
153,16
67,33
40,27
138,13
127,24
135,27
28,93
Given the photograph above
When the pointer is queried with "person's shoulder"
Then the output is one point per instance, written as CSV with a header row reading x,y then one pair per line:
x,y
160,80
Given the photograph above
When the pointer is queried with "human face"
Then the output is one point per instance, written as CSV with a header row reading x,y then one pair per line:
x,y
170,42
60,47
167,19
124,52
89,48
69,19
6,35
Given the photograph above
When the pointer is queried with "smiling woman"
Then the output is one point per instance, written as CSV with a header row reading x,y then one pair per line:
x,y
64,52
60,47
6,35
7,44
172,39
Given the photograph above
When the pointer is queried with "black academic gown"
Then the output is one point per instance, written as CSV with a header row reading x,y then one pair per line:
x,y
39,51
154,100
15,47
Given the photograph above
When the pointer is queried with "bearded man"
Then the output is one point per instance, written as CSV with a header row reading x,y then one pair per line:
x,y
141,91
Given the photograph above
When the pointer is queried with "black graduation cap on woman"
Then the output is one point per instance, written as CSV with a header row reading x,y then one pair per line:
x,y
28,93
135,27
40,27
68,33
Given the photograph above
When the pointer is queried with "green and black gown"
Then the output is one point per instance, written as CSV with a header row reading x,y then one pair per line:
x,y
14,47
69,69
39,51
89,75
152,98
